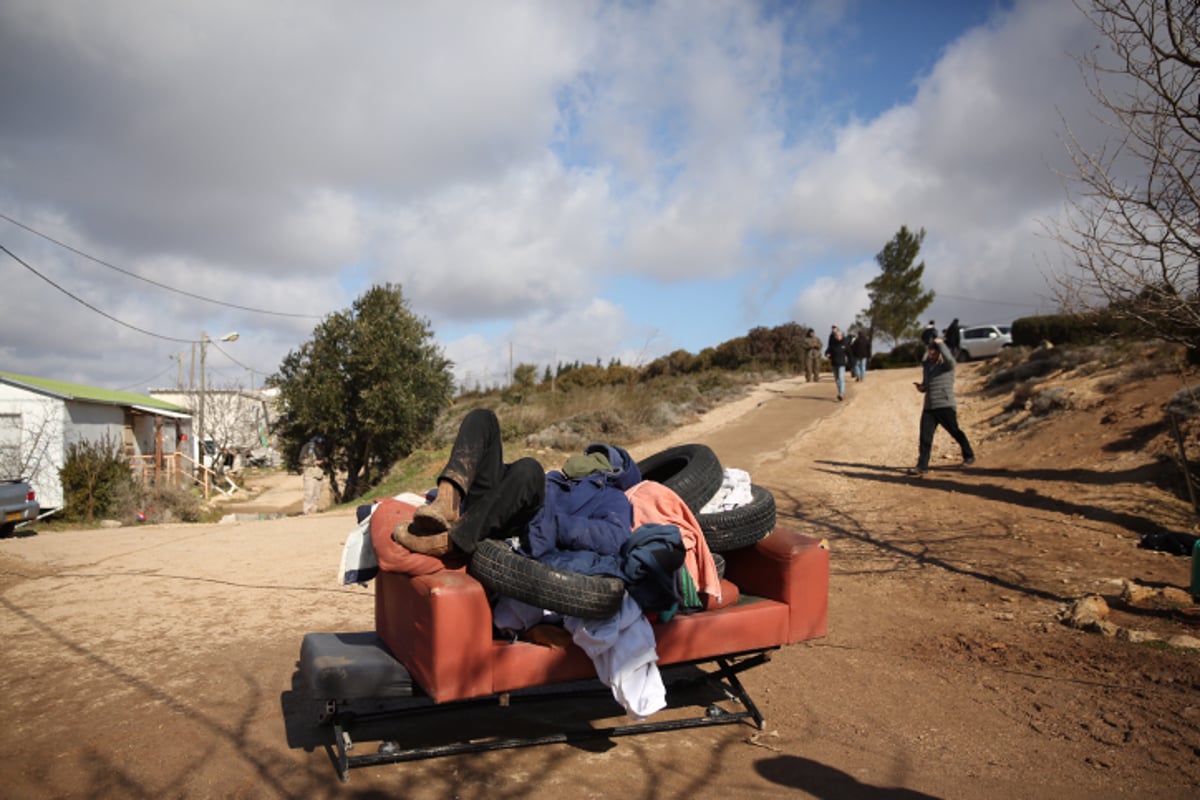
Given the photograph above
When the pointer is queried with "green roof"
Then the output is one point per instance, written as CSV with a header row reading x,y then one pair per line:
x,y
77,391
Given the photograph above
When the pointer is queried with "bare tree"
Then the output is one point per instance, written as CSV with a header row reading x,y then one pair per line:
x,y
235,419
1132,226
25,441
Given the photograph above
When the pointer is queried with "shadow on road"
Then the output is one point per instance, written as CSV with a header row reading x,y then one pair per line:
x,y
950,480
822,781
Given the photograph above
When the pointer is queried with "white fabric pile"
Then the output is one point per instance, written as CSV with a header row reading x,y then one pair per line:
x,y
733,492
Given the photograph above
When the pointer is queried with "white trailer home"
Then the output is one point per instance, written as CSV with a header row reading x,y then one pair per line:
x,y
41,418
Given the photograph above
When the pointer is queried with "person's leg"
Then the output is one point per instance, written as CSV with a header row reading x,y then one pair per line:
x,y
948,419
929,423
475,468
839,376
312,495
506,510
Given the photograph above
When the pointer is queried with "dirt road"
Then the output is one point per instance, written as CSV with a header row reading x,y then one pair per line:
x,y
159,661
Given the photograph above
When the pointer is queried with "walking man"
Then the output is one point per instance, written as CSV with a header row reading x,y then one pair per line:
x,y
861,348
812,356
838,353
940,407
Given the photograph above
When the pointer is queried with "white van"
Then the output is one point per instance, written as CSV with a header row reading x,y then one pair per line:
x,y
983,341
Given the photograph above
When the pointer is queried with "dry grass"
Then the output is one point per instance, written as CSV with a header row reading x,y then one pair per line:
x,y
549,426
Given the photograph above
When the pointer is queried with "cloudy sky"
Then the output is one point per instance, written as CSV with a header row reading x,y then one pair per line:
x,y
548,181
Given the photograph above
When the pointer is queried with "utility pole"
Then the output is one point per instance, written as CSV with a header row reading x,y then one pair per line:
x,y
200,418
229,337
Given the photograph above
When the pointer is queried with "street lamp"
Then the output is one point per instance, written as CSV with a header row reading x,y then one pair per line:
x,y
204,340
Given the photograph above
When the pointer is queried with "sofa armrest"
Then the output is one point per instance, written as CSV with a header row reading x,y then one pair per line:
x,y
439,626
791,568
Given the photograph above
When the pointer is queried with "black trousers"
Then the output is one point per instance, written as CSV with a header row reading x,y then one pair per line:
x,y
499,499
948,419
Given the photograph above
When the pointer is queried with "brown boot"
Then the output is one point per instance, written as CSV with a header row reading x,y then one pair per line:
x,y
430,544
442,513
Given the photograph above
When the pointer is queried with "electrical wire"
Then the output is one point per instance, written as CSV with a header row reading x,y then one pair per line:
x,y
941,295
152,282
86,304
234,360
146,382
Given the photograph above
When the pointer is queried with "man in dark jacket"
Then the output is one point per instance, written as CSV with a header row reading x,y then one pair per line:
x,y
954,337
940,407
838,353
861,350
929,333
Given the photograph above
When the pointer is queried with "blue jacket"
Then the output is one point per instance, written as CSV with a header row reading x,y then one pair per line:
x,y
649,560
590,515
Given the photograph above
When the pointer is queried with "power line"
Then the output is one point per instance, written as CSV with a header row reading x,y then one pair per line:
x,y
163,286
234,360
145,382
940,295
86,304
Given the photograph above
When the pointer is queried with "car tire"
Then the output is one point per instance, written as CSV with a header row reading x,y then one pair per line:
x,y
741,526
964,356
504,571
692,471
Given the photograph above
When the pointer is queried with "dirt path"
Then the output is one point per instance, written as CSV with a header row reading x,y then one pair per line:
x,y
159,661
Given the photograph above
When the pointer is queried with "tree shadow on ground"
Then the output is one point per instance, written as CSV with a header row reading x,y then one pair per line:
x,y
823,781
266,767
919,554
1136,439
944,480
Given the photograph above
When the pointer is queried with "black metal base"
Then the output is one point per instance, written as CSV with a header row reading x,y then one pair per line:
x,y
689,686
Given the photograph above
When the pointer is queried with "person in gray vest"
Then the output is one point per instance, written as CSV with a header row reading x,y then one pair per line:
x,y
940,407
312,460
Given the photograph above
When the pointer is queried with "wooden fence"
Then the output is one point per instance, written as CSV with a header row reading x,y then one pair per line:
x,y
180,471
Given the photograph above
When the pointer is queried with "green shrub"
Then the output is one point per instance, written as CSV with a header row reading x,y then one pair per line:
x,y
1049,401
906,354
95,479
1080,329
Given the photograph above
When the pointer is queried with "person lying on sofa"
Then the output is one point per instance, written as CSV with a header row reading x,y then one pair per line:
x,y
581,508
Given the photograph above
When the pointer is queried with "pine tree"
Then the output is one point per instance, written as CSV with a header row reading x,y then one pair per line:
x,y
897,297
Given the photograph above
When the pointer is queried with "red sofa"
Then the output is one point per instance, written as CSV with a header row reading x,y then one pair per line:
x,y
439,625
433,646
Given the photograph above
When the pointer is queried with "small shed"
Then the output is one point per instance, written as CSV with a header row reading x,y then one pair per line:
x,y
41,418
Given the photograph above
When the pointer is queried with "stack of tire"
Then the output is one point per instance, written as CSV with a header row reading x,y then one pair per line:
x,y
693,472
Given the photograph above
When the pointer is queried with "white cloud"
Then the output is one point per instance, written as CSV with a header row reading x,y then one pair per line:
x,y
970,161
503,162
532,241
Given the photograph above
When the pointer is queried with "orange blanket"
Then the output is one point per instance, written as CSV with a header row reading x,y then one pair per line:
x,y
653,502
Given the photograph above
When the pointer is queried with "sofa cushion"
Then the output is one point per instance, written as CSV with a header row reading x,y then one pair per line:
x,y
395,557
